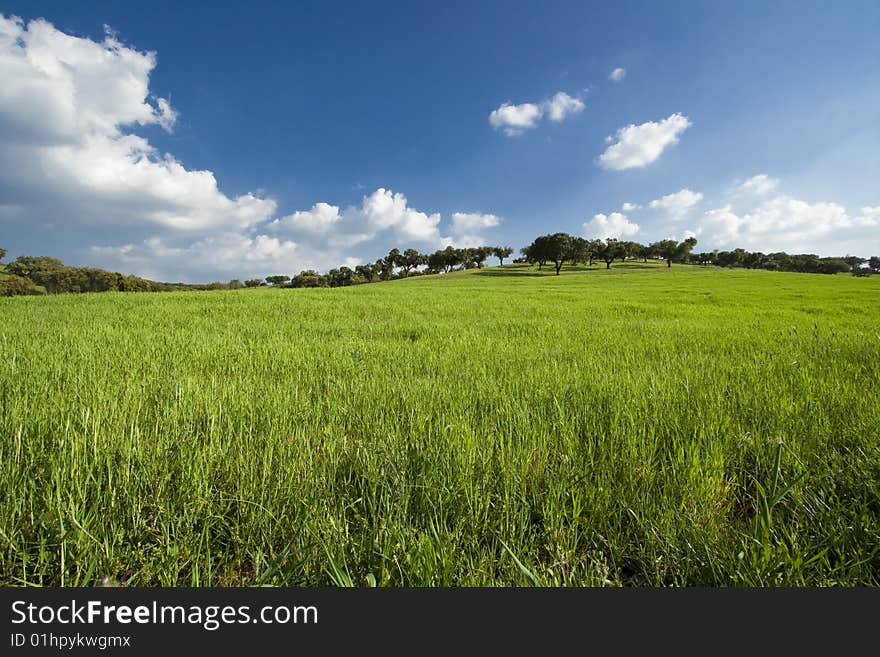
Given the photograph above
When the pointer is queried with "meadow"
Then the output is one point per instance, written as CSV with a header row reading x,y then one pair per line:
x,y
639,426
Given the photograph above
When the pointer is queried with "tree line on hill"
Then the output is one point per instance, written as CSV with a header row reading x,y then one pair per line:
x,y
34,275
561,248
392,266
44,275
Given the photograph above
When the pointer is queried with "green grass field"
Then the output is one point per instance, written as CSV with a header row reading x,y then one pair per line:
x,y
641,426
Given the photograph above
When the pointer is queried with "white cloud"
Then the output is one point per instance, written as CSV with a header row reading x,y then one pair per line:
x,y
869,217
167,115
66,154
562,105
760,185
788,224
383,215
614,225
59,87
678,204
318,238
468,227
516,119
640,145
72,170
617,74
383,211
466,222
217,257
629,207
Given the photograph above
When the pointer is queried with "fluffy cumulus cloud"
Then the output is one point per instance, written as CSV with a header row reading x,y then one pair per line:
x,y
640,145
513,120
759,185
383,211
65,104
254,257
385,216
468,228
318,238
629,207
617,74
788,224
561,106
614,225
678,204
74,170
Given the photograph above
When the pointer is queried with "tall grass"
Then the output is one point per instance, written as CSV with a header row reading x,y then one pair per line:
x,y
641,426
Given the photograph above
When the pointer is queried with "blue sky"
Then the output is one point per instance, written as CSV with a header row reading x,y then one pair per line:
x,y
272,137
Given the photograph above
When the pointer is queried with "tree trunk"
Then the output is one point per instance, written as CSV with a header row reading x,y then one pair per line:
x,y
669,263
607,264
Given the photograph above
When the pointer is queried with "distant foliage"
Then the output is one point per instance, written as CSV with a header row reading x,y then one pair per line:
x,y
18,286
805,263
43,274
309,278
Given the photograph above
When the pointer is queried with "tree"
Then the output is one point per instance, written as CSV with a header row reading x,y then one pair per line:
x,y
277,280
445,260
234,284
309,278
854,262
501,252
253,282
629,250
366,272
705,258
2,253
436,261
340,277
580,250
665,249
608,250
684,250
535,253
389,262
479,255
590,250
412,259
28,265
874,264
833,266
558,249
11,286
671,250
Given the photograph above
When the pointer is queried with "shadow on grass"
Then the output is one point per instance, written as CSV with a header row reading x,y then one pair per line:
x,y
512,272
550,271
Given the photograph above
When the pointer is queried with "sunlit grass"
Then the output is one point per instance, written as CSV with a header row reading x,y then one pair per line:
x,y
640,426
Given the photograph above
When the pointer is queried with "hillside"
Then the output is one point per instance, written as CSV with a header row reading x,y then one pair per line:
x,y
637,426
